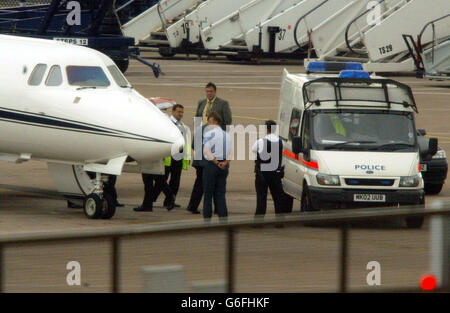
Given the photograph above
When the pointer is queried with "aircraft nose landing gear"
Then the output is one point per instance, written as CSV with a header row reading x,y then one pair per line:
x,y
99,204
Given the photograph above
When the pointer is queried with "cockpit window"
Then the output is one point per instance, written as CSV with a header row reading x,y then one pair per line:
x,y
37,75
54,77
87,76
118,76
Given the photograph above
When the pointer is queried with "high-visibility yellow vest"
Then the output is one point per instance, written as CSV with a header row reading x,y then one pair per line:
x,y
338,127
186,151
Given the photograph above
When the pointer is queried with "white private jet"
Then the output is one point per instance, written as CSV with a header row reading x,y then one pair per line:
x,y
71,107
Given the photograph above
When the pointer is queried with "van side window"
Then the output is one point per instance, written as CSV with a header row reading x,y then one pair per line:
x,y
54,77
305,131
37,75
294,124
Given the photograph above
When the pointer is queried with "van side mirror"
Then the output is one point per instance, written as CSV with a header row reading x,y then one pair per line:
x,y
432,146
297,145
422,132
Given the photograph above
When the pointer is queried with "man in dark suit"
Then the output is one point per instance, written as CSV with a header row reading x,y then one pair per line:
x,y
198,164
212,103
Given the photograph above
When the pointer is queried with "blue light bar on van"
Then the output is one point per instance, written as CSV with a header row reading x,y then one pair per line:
x,y
354,74
333,67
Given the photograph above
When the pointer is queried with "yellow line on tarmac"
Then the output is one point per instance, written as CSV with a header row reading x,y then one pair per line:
x,y
439,137
251,117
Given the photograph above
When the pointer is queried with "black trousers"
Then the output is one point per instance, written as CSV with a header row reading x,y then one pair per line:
x,y
170,190
197,191
149,180
110,186
265,181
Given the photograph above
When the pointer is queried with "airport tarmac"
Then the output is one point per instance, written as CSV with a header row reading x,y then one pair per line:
x,y
289,259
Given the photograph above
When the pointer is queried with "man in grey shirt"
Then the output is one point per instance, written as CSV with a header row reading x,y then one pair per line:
x,y
218,151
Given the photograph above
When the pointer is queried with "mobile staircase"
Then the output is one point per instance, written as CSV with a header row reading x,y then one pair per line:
x,y
229,31
149,28
373,34
266,28
432,60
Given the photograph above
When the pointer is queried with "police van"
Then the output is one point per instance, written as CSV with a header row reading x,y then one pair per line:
x,y
350,139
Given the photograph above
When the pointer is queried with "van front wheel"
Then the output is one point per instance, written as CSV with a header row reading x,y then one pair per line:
x,y
414,222
306,203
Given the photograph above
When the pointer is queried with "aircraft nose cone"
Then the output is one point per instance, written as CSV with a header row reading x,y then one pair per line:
x,y
178,144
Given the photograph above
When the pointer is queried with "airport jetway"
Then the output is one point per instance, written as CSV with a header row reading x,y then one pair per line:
x,y
373,34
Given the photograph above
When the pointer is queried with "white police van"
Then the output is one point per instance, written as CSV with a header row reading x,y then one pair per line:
x,y
349,139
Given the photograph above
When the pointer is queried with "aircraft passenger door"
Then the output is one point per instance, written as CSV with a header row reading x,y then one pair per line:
x,y
290,159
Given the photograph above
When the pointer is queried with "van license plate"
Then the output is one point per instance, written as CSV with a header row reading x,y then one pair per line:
x,y
369,198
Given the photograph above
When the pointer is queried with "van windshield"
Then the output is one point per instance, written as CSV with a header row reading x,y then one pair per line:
x,y
363,130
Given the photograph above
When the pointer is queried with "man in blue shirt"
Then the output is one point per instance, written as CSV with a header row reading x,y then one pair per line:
x,y
218,152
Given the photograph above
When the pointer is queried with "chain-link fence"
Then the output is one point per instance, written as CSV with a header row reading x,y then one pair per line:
x,y
18,3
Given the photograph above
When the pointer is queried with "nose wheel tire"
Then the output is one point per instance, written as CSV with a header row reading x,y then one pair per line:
x,y
95,207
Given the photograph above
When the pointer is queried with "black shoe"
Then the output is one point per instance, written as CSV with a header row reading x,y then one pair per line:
x,y
175,205
170,206
142,209
119,205
193,211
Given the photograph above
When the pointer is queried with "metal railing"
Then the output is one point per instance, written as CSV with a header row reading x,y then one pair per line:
x,y
361,32
230,227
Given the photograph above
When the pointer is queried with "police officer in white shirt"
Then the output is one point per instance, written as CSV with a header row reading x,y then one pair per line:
x,y
218,152
269,171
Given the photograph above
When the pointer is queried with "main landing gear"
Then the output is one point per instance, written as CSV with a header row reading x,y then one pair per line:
x,y
99,204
